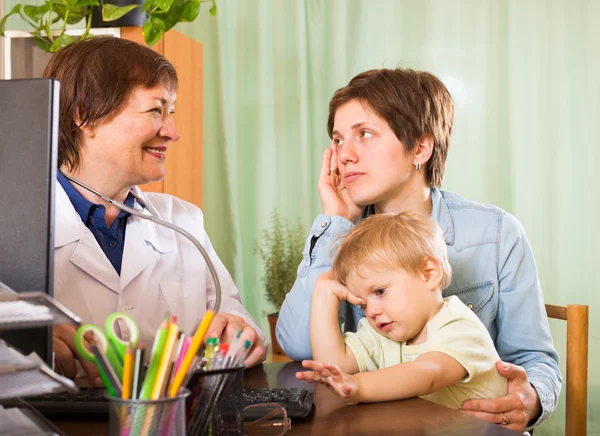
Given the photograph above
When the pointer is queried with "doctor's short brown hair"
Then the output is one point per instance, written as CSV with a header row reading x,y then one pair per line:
x,y
96,78
413,103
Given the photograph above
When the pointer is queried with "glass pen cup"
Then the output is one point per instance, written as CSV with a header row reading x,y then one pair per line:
x,y
164,417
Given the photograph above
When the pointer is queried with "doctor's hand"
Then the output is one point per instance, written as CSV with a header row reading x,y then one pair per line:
x,y
332,189
225,326
516,409
65,355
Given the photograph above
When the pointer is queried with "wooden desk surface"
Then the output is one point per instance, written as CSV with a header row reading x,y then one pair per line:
x,y
332,417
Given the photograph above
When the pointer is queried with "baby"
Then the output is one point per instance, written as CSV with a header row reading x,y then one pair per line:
x,y
412,342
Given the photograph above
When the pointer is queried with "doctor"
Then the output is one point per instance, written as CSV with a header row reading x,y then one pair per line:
x,y
117,99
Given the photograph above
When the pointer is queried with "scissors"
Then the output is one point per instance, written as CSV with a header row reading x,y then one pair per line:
x,y
109,343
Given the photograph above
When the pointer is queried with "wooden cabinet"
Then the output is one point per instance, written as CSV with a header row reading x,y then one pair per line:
x,y
184,157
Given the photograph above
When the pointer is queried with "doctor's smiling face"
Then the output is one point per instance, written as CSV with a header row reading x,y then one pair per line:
x,y
131,146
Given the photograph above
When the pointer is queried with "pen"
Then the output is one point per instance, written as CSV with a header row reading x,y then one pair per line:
x,y
184,348
106,372
212,345
243,352
165,359
127,372
138,370
191,353
155,356
219,359
174,359
233,348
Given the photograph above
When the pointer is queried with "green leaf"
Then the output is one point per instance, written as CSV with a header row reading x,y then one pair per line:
x,y
42,43
75,17
82,3
146,5
47,29
36,12
170,18
60,9
153,30
280,249
213,9
61,42
15,10
191,9
164,4
112,12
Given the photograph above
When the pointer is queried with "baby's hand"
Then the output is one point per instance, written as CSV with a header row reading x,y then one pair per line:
x,y
327,286
330,375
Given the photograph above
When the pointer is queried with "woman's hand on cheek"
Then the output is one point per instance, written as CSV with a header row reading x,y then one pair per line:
x,y
332,190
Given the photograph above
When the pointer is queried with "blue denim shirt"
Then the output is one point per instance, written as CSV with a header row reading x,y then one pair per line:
x,y
493,273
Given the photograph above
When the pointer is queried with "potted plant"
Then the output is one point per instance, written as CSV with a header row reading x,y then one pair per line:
x,y
280,250
161,15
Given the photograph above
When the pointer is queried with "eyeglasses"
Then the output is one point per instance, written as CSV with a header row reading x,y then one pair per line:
x,y
268,419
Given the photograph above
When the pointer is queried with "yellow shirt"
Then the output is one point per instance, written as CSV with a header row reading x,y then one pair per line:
x,y
456,331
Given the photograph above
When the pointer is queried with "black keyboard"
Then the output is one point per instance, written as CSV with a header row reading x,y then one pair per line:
x,y
92,404
88,403
298,402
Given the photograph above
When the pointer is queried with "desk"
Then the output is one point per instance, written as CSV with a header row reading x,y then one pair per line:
x,y
332,417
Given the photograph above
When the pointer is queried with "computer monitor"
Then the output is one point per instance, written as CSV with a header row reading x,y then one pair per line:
x,y
28,157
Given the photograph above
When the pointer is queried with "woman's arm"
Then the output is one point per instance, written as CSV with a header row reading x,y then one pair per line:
x,y
524,337
339,215
293,325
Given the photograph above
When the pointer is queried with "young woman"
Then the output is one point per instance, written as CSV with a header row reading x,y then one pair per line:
x,y
390,133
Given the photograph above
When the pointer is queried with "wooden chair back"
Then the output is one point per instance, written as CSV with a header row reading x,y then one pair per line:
x,y
577,316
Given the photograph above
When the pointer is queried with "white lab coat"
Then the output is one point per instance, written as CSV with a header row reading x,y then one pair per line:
x,y
162,273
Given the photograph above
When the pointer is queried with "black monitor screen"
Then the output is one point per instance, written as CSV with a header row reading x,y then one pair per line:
x,y
28,156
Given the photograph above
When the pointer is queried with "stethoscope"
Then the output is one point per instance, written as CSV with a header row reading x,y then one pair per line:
x,y
154,218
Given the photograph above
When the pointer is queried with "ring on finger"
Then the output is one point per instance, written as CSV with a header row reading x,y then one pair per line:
x,y
332,170
504,420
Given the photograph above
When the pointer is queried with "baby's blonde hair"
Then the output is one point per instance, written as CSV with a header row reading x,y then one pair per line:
x,y
387,242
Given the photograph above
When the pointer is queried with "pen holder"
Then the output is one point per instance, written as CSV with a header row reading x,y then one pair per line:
x,y
215,402
162,417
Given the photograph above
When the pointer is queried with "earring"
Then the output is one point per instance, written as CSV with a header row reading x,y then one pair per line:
x,y
418,166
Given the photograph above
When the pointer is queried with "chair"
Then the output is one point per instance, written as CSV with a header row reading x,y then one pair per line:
x,y
576,316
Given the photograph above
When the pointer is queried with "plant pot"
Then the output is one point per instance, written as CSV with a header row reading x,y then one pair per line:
x,y
272,324
132,18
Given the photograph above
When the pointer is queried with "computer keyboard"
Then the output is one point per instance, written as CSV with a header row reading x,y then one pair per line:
x,y
88,403
298,402
92,404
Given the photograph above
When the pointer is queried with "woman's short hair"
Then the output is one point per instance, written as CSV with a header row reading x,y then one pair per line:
x,y
386,242
413,103
96,77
